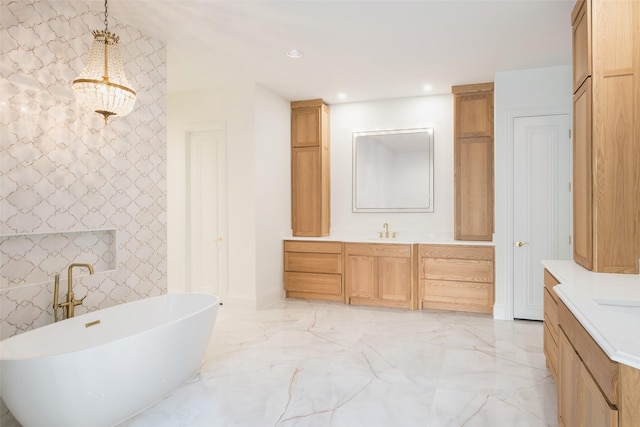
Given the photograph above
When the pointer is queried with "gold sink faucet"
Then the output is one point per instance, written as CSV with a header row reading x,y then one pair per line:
x,y
68,307
386,230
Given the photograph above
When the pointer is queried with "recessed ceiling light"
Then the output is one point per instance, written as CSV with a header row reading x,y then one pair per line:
x,y
342,96
294,53
427,88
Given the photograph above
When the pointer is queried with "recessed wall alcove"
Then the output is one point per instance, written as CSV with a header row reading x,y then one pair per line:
x,y
34,258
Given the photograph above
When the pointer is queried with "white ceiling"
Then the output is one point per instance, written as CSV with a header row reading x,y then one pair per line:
x,y
367,49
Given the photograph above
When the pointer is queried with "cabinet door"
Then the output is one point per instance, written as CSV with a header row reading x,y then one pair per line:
x,y
596,411
394,278
474,114
305,127
306,191
361,280
569,384
474,188
581,23
582,178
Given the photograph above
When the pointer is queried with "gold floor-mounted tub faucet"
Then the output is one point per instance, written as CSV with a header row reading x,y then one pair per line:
x,y
68,307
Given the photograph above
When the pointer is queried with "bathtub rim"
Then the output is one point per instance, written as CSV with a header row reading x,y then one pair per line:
x,y
3,343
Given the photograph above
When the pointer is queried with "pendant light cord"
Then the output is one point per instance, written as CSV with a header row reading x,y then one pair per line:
x,y
106,14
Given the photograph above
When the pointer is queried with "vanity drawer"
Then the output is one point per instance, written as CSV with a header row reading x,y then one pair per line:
x,y
311,246
457,295
551,351
457,252
309,283
313,262
549,283
603,369
378,249
466,270
551,314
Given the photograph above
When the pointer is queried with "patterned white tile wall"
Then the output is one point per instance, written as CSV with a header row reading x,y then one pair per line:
x,y
69,184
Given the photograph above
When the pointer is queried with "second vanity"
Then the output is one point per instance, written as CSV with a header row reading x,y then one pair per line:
x,y
592,344
431,272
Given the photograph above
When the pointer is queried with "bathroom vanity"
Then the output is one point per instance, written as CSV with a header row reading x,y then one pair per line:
x,y
592,344
391,273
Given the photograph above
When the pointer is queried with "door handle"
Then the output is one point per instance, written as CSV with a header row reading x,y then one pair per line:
x,y
521,244
219,239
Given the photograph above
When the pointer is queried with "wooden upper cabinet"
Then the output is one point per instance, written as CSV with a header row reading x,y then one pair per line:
x,y
473,162
474,111
582,178
581,23
310,168
305,127
606,58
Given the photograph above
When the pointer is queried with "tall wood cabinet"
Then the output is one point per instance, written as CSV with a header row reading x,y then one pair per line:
x,y
310,189
606,158
473,161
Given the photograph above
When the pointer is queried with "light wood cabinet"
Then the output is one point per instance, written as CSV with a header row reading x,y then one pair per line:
x,y
569,384
313,270
310,168
550,324
606,81
580,399
593,390
582,178
456,277
596,411
380,274
473,162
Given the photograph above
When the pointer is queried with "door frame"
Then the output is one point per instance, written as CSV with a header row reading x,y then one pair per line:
x,y
509,235
221,168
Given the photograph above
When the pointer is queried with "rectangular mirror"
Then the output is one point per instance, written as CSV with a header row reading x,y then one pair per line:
x,y
393,171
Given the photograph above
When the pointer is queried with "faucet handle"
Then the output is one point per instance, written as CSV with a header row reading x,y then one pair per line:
x,y
79,301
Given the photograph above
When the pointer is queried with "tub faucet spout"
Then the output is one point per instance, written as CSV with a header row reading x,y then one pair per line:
x,y
69,306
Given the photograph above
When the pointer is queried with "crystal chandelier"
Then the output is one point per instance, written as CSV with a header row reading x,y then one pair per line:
x,y
103,86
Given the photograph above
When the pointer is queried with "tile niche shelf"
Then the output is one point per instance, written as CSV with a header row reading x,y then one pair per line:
x,y
33,258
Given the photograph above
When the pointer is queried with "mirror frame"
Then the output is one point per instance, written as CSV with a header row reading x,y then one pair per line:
x,y
430,143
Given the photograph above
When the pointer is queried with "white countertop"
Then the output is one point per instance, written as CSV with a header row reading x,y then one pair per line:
x,y
402,237
607,305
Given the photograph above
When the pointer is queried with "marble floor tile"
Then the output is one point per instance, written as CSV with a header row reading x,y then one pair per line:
x,y
309,364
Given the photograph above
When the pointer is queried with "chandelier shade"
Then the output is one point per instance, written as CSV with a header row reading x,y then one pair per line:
x,y
103,86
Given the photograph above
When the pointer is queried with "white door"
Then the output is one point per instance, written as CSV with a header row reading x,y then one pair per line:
x,y
206,212
542,205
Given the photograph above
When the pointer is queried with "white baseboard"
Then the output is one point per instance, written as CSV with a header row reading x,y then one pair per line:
x,y
240,301
273,297
500,312
252,302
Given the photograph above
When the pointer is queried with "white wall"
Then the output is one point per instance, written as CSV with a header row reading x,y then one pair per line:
x,y
407,113
273,192
257,140
518,93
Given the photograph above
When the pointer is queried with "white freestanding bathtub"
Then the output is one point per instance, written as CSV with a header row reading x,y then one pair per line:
x,y
79,372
